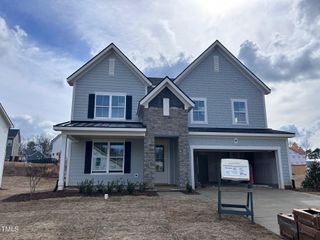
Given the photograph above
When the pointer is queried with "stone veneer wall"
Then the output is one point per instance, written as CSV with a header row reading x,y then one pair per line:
x,y
175,125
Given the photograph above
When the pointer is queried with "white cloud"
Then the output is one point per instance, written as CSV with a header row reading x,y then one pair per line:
x,y
32,81
161,35
296,103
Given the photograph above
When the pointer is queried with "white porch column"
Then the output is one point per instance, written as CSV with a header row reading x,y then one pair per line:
x,y
62,161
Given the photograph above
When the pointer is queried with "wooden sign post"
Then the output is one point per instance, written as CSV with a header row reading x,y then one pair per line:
x,y
235,170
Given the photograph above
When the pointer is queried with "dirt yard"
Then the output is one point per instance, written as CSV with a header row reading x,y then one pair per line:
x,y
168,216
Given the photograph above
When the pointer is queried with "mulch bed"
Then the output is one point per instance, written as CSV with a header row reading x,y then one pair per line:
x,y
41,195
23,197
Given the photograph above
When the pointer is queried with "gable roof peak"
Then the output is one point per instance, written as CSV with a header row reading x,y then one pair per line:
x,y
167,82
74,76
250,75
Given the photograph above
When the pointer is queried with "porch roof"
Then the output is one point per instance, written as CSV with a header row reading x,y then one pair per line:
x,y
116,128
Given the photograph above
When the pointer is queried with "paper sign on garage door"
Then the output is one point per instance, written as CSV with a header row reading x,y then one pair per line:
x,y
235,169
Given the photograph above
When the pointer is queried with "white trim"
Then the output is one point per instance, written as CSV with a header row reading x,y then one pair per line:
x,y
167,83
110,94
6,117
166,106
108,157
241,134
62,161
229,147
289,164
205,111
72,78
265,111
73,100
68,159
195,63
233,100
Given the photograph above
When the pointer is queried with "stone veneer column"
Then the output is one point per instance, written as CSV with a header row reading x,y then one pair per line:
x,y
149,160
184,161
173,126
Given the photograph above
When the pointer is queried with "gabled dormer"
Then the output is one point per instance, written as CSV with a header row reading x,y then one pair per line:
x,y
107,88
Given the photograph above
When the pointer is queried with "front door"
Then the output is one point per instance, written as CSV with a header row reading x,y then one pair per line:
x,y
162,162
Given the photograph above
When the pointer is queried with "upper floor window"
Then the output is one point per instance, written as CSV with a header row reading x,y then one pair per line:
x,y
199,112
239,111
110,106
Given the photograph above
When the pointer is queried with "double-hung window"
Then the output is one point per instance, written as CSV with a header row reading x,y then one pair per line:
x,y
239,111
108,157
199,112
110,106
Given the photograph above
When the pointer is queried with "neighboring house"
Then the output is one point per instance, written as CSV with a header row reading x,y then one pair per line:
x,y
36,156
39,157
56,147
297,159
5,125
127,126
13,145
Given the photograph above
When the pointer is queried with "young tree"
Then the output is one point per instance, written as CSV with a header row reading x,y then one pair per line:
x,y
43,145
35,173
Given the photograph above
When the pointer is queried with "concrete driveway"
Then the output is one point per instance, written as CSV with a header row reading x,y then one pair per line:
x,y
268,203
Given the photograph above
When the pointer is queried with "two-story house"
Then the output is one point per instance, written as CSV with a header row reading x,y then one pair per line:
x,y
13,145
5,125
127,126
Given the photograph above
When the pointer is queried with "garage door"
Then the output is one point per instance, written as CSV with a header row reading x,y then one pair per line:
x,y
207,164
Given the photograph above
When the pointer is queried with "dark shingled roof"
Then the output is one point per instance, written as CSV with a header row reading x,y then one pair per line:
x,y
13,132
101,124
156,80
238,130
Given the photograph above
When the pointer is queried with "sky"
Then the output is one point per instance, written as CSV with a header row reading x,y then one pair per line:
x,y
43,42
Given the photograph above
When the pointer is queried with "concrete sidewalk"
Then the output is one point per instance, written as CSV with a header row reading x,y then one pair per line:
x,y
268,203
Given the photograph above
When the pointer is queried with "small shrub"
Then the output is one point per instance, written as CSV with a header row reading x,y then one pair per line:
x,y
189,188
142,187
312,179
86,187
110,186
119,186
130,187
101,188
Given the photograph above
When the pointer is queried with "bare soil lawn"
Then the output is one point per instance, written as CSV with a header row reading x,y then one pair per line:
x,y
167,216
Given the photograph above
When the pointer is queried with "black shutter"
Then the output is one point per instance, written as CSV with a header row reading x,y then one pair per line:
x,y
87,163
128,107
127,157
91,104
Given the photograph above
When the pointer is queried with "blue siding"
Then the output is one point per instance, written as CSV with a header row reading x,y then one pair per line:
x,y
98,80
77,159
219,88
